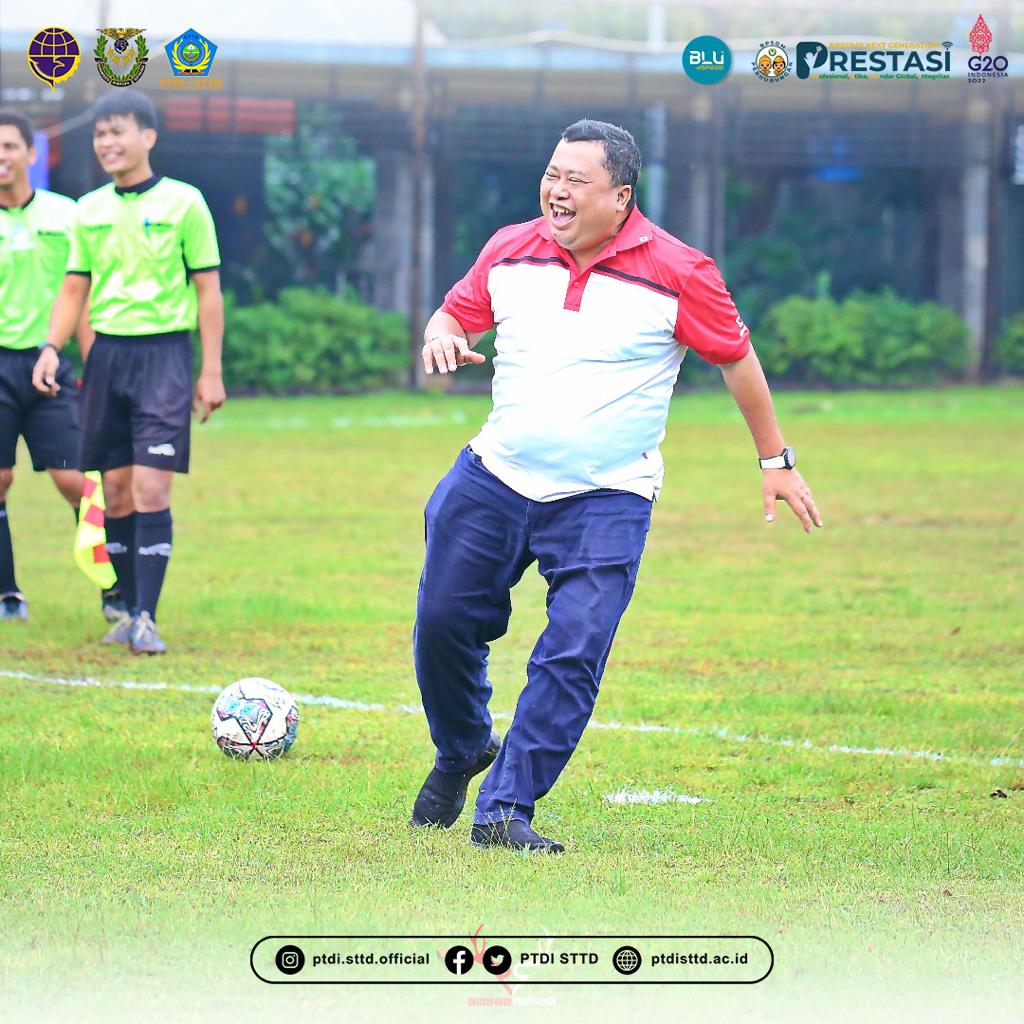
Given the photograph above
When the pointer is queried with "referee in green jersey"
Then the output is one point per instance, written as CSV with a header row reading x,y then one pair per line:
x,y
144,253
35,228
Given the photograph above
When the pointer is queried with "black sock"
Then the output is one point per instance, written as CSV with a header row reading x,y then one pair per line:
x,y
8,584
121,548
153,531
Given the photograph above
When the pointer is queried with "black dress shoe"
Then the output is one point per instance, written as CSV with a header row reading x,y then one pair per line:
x,y
443,794
516,835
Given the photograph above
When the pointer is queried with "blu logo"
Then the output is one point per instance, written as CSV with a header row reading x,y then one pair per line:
x,y
707,60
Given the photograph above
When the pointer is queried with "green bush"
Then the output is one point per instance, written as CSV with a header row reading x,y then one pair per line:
x,y
867,339
312,341
1008,354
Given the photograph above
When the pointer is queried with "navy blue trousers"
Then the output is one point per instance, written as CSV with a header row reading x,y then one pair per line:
x,y
481,536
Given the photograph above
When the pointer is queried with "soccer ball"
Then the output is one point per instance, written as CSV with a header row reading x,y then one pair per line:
x,y
254,717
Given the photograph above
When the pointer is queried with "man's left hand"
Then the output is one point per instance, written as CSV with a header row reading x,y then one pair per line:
x,y
789,485
209,395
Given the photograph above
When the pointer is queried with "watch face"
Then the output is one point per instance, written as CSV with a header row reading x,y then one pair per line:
x,y
789,457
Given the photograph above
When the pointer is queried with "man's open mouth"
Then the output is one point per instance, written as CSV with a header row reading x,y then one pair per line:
x,y
561,215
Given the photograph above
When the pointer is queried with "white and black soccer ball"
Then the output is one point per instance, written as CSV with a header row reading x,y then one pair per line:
x,y
254,718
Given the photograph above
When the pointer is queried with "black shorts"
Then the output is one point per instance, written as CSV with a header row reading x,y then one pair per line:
x,y
137,402
49,425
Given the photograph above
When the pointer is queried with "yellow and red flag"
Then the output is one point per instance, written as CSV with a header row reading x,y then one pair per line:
x,y
91,537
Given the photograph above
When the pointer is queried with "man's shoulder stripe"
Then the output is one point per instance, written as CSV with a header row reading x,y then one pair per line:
x,y
603,268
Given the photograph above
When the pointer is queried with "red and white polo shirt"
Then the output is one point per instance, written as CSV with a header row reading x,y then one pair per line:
x,y
586,360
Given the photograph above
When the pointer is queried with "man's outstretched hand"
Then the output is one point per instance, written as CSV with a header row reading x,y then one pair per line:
x,y
789,485
449,352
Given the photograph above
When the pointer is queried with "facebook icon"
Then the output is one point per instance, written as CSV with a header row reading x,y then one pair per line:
x,y
458,960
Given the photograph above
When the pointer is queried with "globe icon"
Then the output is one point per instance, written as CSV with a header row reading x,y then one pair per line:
x,y
627,960
53,55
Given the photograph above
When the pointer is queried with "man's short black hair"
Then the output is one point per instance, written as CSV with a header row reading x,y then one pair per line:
x,y
22,123
125,103
621,153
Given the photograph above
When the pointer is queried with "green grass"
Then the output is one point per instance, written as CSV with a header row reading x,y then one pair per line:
x,y
132,855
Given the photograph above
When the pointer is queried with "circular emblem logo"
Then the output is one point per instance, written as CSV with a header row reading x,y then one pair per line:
x,y
459,960
53,55
497,960
290,959
707,60
771,64
627,960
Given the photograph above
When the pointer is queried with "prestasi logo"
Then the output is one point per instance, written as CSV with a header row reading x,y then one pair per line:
x,y
872,60
191,53
809,55
53,55
707,60
771,63
120,61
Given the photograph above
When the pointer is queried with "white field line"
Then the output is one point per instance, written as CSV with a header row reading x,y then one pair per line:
x,y
722,733
657,796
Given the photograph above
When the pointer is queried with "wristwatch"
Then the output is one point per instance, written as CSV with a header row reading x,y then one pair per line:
x,y
785,460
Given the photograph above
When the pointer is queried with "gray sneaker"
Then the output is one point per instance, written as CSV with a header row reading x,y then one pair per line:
x,y
114,608
120,633
145,639
13,606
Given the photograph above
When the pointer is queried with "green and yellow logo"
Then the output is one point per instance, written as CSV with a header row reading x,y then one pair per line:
x,y
120,61
191,53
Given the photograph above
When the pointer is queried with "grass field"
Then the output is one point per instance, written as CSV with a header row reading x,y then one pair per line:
x,y
846,703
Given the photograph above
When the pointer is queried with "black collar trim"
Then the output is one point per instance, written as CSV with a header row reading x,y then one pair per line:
x,y
21,206
143,186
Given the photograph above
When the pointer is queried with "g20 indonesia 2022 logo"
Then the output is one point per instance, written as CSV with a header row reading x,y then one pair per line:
x,y
981,65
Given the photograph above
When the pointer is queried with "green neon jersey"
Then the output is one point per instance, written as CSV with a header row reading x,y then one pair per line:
x,y
140,245
34,242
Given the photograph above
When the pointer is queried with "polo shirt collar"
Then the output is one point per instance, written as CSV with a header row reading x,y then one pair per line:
x,y
636,230
142,186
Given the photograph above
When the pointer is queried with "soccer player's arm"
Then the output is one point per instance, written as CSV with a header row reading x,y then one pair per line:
x,y
709,323
202,260
67,312
462,320
84,332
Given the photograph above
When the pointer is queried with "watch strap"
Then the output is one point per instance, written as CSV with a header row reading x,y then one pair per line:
x,y
786,459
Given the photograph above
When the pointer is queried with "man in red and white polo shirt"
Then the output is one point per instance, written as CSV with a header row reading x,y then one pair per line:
x,y
595,307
